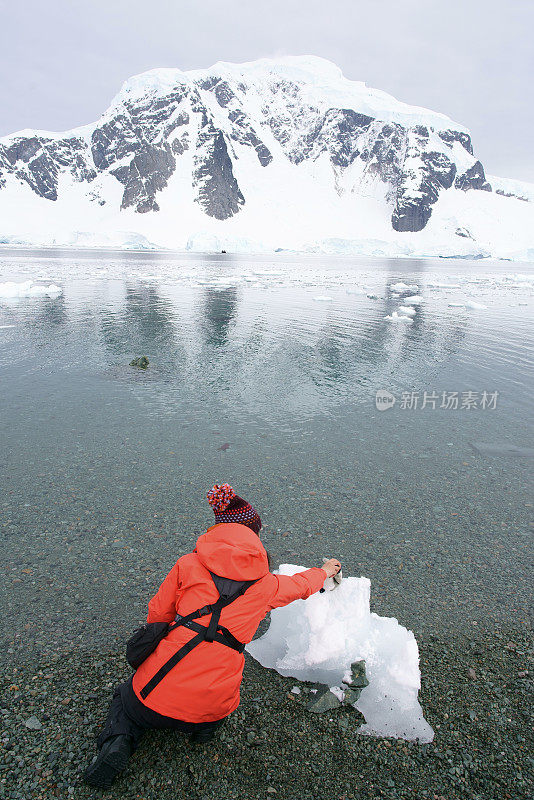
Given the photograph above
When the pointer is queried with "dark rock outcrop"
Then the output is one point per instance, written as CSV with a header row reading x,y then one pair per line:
x,y
142,362
244,133
148,173
323,700
39,160
473,178
357,682
449,137
424,174
217,189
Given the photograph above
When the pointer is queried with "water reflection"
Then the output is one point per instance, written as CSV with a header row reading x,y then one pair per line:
x,y
216,313
145,323
266,347
51,313
96,451
243,349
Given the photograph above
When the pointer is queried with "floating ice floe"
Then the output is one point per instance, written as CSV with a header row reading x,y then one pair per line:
x,y
403,287
11,290
471,304
395,317
519,278
414,299
319,638
407,310
322,297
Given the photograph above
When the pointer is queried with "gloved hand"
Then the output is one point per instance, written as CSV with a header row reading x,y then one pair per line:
x,y
332,567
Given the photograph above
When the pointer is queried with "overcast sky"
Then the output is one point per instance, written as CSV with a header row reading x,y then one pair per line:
x,y
63,60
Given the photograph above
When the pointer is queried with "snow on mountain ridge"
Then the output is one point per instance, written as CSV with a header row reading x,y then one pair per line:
x,y
273,153
324,84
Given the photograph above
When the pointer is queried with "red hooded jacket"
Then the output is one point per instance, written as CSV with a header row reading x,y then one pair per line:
x,y
204,686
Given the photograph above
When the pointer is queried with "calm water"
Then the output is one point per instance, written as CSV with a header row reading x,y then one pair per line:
x,y
105,467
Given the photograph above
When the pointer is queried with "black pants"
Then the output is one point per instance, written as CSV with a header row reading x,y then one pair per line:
x,y
129,716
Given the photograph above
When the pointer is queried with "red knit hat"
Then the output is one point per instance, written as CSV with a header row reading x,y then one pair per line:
x,y
229,507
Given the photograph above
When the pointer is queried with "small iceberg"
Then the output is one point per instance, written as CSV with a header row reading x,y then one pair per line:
x,y
407,310
443,285
11,290
395,317
323,298
414,299
473,305
403,287
318,640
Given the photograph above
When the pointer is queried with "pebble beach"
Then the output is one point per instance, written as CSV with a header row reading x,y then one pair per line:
x,y
476,695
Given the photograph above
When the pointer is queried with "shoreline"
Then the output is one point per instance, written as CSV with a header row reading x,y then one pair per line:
x,y
267,255
474,693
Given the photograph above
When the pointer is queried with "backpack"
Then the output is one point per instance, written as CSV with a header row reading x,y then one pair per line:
x,y
145,639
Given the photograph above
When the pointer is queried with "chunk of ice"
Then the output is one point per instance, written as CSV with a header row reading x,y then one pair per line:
x,y
468,304
11,290
318,639
443,285
472,304
403,287
395,317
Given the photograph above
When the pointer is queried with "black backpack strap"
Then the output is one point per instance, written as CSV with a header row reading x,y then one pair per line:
x,y
214,609
166,668
223,636
221,603
229,639
209,634
200,612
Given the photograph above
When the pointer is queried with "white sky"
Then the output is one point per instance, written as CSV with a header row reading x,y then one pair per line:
x,y
61,61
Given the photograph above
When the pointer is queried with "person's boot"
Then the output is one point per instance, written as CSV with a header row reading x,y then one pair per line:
x,y
200,737
111,760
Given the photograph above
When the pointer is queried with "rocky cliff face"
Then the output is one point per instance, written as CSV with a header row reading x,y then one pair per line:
x,y
299,111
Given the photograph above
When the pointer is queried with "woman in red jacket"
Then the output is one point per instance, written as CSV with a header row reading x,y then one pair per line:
x,y
229,564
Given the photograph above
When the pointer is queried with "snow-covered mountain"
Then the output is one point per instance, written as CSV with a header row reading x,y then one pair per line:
x,y
271,154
